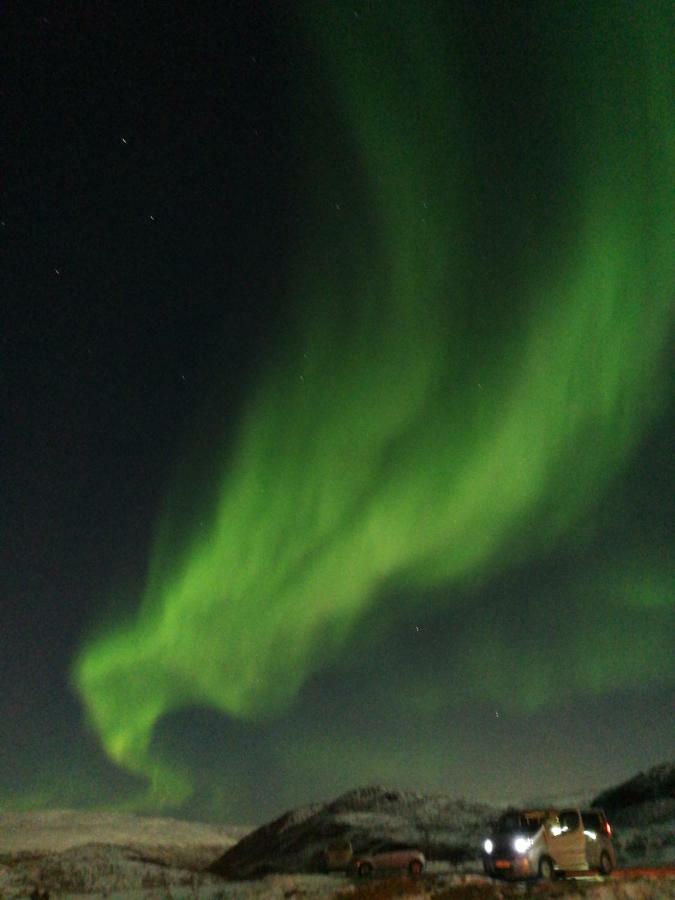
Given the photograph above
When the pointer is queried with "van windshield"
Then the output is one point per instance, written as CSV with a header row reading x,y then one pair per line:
x,y
511,822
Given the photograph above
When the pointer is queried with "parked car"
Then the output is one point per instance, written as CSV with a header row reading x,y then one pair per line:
x,y
548,843
390,859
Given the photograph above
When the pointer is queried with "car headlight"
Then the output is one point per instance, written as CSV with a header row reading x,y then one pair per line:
x,y
522,844
488,846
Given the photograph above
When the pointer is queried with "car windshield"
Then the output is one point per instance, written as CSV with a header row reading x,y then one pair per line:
x,y
511,822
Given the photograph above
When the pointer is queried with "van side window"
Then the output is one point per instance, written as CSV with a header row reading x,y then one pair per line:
x,y
569,820
592,822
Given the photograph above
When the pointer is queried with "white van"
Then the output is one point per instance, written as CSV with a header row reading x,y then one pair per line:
x,y
547,843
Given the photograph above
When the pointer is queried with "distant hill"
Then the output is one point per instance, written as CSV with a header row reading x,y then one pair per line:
x,y
642,812
654,787
73,853
55,830
370,818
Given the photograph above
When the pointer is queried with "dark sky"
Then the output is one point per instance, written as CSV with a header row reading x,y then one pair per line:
x,y
350,260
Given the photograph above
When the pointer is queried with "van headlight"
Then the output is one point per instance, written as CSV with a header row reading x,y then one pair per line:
x,y
488,846
522,844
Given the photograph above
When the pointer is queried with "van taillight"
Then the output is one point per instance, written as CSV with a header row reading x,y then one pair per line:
x,y
608,829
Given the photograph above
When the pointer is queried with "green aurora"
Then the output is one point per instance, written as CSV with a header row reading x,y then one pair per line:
x,y
477,347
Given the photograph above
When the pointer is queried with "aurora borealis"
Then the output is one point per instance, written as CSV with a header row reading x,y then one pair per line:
x,y
440,445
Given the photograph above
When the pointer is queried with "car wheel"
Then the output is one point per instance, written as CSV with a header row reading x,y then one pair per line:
x,y
605,863
415,868
546,870
364,869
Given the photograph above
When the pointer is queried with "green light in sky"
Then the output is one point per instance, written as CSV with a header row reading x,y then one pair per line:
x,y
442,404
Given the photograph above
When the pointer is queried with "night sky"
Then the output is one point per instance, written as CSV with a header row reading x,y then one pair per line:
x,y
336,401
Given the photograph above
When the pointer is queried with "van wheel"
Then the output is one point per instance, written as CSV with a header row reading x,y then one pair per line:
x,y
605,863
364,869
415,868
546,870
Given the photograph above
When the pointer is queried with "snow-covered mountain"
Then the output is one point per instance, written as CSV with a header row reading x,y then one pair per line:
x,y
369,818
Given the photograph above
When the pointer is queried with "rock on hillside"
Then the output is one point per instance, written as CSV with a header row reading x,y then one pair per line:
x,y
370,818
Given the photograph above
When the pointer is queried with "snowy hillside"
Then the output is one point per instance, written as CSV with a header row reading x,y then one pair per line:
x,y
59,829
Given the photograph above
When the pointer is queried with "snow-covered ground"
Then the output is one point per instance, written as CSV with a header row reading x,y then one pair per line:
x,y
59,829
101,871
106,870
69,853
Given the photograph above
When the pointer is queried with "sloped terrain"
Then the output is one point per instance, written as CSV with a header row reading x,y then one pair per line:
x,y
59,829
654,787
70,852
93,868
642,812
104,870
369,818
